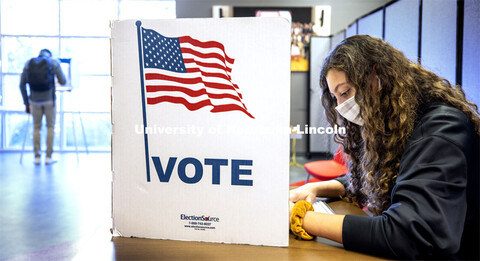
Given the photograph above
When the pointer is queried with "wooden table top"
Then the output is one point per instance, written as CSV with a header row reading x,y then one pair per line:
x,y
104,246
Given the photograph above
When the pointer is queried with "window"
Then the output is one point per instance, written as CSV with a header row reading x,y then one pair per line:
x,y
16,50
40,18
87,17
75,29
133,9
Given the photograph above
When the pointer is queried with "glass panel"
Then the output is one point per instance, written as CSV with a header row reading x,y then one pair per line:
x,y
29,17
89,55
2,98
15,127
87,17
147,10
16,124
93,128
13,98
93,94
18,50
1,130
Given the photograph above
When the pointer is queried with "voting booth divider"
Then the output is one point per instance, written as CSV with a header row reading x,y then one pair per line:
x,y
442,36
200,129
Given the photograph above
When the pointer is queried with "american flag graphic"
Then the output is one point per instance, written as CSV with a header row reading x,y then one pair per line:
x,y
186,71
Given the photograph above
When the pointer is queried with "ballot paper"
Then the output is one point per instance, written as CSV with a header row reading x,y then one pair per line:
x,y
321,206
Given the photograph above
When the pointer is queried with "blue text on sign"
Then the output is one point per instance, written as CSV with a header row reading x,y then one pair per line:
x,y
164,174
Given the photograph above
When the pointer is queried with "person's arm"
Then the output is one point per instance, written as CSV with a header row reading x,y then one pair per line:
x,y
59,73
23,88
331,225
324,225
427,214
309,191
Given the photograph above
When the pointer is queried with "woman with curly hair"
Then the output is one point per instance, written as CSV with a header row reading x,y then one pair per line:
x,y
413,146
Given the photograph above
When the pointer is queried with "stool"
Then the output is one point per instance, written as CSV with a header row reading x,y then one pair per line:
x,y
327,169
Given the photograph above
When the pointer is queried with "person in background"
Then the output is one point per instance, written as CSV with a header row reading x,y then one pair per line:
x,y
413,153
40,72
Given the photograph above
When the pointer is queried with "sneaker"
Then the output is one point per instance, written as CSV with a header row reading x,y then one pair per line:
x,y
49,160
37,161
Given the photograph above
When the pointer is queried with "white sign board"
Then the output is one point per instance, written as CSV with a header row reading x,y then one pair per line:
x,y
200,122
322,20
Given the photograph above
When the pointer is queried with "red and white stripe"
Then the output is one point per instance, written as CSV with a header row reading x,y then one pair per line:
x,y
207,81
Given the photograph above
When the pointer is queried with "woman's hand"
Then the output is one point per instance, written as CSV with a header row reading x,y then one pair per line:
x,y
290,213
310,191
320,224
307,192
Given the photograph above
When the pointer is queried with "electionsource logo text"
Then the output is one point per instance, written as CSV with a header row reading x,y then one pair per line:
x,y
199,218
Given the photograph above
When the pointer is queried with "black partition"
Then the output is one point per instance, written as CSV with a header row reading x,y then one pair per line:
x,y
402,27
471,51
372,24
299,14
439,37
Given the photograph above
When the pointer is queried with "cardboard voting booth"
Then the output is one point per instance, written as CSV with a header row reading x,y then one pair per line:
x,y
200,122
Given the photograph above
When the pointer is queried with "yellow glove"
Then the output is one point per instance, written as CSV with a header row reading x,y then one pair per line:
x,y
296,219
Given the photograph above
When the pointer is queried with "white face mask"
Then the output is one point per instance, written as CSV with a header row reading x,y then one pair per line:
x,y
350,110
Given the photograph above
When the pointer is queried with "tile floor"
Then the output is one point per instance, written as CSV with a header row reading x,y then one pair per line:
x,y
49,212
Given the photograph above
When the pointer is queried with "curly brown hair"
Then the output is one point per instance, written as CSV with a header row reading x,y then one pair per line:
x,y
389,115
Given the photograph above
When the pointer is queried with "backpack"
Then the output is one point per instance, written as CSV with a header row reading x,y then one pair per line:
x,y
40,74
